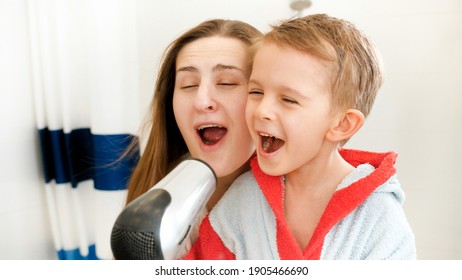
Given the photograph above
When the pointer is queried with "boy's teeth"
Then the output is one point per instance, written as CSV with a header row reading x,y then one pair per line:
x,y
265,135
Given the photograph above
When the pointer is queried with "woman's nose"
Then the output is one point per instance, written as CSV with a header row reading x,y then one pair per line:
x,y
204,100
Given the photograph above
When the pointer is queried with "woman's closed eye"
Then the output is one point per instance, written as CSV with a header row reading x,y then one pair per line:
x,y
227,85
190,86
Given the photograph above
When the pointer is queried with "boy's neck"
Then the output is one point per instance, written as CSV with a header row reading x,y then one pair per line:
x,y
308,190
322,176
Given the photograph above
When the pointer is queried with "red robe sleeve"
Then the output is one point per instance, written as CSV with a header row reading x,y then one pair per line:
x,y
208,245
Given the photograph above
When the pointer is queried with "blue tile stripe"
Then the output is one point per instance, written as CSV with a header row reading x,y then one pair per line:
x,y
75,254
110,171
80,155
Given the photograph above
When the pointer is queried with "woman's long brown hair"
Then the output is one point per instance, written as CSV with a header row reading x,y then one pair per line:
x,y
165,145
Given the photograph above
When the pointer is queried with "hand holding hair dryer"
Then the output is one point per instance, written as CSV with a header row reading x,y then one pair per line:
x,y
157,225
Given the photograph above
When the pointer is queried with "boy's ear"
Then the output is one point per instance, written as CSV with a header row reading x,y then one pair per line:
x,y
346,126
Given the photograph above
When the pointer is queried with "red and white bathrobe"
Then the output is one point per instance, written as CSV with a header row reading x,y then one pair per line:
x,y
363,220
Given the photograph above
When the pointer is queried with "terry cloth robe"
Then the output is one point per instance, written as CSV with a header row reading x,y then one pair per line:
x,y
363,220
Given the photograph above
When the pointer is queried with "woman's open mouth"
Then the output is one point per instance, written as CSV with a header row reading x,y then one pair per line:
x,y
269,143
211,134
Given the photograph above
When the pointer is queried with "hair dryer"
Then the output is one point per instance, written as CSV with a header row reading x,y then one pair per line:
x,y
157,225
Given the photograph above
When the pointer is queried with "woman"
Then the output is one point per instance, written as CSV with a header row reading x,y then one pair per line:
x,y
198,107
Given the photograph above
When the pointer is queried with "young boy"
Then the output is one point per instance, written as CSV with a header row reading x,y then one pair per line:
x,y
313,82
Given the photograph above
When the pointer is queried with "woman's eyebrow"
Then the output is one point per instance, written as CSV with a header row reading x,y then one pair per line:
x,y
218,67
187,69
221,67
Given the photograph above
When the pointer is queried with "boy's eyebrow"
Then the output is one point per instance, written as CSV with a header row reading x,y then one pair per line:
x,y
253,82
288,88
295,92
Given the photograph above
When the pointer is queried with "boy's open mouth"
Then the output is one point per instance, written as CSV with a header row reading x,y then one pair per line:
x,y
211,134
270,143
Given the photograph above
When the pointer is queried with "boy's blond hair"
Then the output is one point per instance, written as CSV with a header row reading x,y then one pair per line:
x,y
355,62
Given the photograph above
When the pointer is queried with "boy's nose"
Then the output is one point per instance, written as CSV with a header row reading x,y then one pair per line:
x,y
264,110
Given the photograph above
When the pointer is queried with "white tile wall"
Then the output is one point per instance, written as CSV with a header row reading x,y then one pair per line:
x,y
418,114
24,227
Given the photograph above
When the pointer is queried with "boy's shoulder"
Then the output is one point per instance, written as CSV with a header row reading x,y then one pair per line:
x,y
244,193
244,185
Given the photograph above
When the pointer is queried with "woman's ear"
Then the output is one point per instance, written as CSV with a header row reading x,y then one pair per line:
x,y
348,123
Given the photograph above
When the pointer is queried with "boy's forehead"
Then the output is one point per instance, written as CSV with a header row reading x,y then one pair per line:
x,y
270,48
288,67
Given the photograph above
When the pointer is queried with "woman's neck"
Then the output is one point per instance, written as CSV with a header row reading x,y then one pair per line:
x,y
223,184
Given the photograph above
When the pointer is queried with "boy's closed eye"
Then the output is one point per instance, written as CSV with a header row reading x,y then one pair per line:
x,y
289,100
255,91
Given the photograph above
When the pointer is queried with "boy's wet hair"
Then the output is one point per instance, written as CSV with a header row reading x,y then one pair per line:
x,y
354,61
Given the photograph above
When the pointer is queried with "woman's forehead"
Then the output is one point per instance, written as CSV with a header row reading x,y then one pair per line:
x,y
213,51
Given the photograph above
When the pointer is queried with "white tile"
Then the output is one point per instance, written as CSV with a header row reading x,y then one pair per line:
x,y
429,253
458,219
433,218
372,9
26,235
422,86
425,160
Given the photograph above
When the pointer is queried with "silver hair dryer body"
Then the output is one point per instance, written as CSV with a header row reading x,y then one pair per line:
x,y
157,225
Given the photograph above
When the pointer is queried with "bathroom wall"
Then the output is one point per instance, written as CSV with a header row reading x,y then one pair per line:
x,y
417,114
